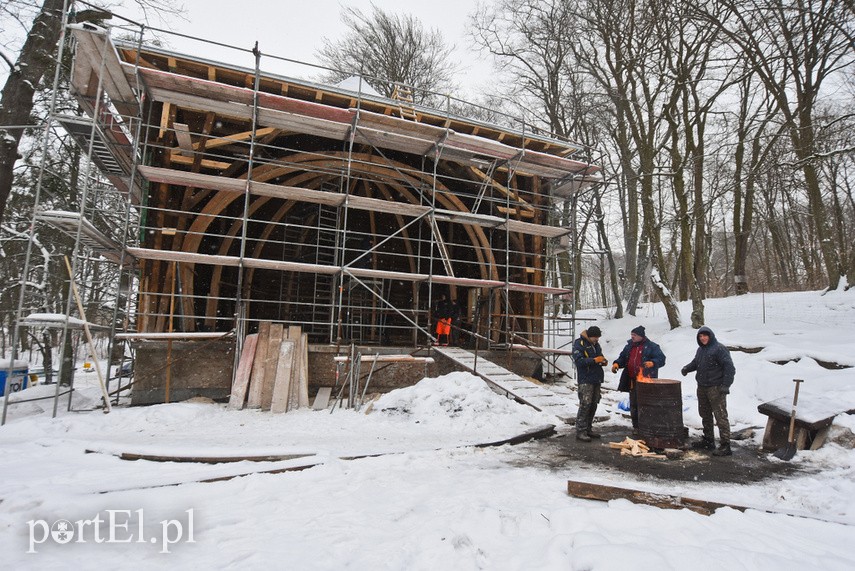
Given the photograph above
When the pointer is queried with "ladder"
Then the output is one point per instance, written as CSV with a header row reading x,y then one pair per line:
x,y
325,255
403,94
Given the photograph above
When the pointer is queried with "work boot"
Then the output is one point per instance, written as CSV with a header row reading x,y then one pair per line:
x,y
583,437
705,444
723,450
593,434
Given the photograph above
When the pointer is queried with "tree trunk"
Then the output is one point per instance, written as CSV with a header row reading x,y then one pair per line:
x,y
16,102
638,279
47,356
604,237
667,298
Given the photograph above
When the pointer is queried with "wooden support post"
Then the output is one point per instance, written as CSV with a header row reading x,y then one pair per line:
x,y
169,342
88,333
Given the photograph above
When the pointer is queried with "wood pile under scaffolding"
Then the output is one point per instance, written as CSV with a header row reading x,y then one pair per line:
x,y
273,370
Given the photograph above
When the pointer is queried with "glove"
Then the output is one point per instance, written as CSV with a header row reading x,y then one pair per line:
x,y
684,371
615,367
600,359
724,390
648,364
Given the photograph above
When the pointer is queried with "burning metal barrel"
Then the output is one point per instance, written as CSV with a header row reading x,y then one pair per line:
x,y
660,413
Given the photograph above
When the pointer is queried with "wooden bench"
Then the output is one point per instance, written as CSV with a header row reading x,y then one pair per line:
x,y
814,416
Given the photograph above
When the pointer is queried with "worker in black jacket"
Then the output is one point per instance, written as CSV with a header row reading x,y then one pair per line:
x,y
589,360
715,373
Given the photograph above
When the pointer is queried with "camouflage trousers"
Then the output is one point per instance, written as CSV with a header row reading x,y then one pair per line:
x,y
712,404
589,397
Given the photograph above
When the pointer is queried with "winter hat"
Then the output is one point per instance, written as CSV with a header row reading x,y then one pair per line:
x,y
594,331
639,331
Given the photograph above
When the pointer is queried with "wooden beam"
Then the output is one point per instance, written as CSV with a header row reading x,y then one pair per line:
x,y
183,178
179,158
281,265
259,367
182,137
335,123
215,142
605,493
237,398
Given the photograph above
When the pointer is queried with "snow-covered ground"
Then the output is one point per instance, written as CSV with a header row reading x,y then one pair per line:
x,y
428,499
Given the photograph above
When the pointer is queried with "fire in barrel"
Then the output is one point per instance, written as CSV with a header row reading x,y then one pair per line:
x,y
660,413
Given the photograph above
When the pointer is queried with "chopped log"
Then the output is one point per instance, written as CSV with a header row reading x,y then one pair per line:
x,y
631,447
247,357
259,367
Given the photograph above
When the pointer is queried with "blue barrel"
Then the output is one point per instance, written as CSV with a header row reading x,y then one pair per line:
x,y
18,378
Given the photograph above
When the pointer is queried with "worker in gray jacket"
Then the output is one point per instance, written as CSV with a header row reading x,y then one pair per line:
x,y
714,374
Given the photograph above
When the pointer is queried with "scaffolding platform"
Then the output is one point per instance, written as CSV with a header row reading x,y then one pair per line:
x,y
90,237
509,383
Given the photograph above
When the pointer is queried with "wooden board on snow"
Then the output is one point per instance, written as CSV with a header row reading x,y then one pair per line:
x,y
605,493
322,399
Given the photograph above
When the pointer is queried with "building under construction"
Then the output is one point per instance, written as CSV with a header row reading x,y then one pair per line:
x,y
251,198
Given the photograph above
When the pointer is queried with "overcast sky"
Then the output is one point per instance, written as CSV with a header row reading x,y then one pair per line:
x,y
296,29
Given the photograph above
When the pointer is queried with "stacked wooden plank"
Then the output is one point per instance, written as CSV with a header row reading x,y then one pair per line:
x,y
631,447
273,370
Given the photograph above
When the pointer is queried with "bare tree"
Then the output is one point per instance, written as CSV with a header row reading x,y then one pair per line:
x,y
754,144
390,50
813,39
531,41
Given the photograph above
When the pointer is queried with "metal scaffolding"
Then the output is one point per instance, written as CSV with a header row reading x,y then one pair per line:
x,y
238,196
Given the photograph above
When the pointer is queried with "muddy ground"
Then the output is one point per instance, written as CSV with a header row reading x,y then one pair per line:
x,y
562,451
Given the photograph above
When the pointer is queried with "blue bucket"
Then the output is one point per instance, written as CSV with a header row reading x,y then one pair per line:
x,y
17,380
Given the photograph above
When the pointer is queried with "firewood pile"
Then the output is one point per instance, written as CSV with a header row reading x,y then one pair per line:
x,y
631,447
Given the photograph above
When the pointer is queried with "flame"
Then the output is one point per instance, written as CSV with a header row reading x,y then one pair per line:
x,y
641,378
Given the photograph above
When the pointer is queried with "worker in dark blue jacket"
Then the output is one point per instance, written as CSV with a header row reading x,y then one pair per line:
x,y
589,360
715,373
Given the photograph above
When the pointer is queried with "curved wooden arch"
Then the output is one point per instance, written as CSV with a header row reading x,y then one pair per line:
x,y
379,166
216,276
390,172
228,242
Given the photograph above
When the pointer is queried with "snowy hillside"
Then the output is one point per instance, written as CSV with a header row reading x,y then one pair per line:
x,y
426,498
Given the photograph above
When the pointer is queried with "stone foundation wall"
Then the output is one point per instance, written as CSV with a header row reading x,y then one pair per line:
x,y
199,368
204,368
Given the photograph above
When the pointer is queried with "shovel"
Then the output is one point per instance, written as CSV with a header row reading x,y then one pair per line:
x,y
788,451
